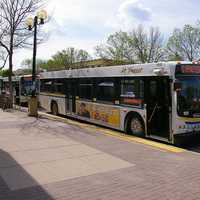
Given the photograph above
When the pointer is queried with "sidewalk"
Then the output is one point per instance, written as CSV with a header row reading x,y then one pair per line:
x,y
44,159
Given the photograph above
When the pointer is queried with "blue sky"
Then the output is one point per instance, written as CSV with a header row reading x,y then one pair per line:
x,y
87,23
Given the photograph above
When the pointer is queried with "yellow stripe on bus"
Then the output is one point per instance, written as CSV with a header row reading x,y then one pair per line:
x,y
186,119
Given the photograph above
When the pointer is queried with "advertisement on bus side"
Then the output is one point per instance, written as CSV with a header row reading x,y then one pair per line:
x,y
103,113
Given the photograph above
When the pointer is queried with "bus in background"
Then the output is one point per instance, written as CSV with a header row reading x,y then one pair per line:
x,y
157,100
15,84
1,85
26,88
22,88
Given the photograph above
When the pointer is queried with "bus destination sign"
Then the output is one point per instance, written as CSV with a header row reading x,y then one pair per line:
x,y
188,69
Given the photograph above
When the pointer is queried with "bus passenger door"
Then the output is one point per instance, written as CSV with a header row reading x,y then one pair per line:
x,y
70,100
158,107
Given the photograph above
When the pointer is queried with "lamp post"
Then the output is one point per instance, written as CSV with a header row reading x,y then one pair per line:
x,y
32,23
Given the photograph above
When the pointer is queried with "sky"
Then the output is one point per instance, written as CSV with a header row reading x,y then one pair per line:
x,y
85,24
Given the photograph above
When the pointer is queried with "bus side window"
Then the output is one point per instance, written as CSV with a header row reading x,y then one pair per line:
x,y
132,89
85,89
106,90
59,86
46,86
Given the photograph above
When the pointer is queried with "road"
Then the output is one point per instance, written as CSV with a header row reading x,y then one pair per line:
x,y
63,159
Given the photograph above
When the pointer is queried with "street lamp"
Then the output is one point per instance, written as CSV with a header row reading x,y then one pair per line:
x,y
32,23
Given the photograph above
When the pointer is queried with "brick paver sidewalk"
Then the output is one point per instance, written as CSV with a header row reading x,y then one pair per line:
x,y
43,159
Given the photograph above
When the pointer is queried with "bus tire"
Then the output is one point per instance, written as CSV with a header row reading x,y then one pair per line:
x,y
54,108
135,126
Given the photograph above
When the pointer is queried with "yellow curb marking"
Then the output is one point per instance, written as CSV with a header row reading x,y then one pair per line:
x,y
157,145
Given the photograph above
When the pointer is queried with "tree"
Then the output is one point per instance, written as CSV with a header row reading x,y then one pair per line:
x,y
5,73
26,66
70,56
138,46
117,47
174,57
27,63
13,33
3,59
185,43
148,46
65,59
40,63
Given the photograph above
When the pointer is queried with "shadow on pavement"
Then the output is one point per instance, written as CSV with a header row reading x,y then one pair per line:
x,y
192,144
188,143
193,147
16,183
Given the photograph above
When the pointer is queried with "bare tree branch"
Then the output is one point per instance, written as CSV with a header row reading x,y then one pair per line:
x,y
13,34
185,43
4,58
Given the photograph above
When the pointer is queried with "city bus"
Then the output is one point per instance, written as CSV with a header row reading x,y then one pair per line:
x,y
1,85
26,88
22,88
15,85
158,100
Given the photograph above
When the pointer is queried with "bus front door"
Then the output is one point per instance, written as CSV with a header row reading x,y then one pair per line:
x,y
69,103
70,100
158,107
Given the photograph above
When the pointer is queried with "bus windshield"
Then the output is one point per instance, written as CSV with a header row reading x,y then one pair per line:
x,y
27,86
188,98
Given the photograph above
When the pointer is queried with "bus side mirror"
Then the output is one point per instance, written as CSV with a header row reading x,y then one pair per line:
x,y
177,86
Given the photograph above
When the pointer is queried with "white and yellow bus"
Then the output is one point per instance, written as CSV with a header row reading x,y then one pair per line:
x,y
22,88
15,85
26,88
158,100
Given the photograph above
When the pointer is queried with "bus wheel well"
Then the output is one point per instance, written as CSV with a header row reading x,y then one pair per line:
x,y
129,116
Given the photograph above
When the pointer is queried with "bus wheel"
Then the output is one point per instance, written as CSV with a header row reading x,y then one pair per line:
x,y
135,126
54,108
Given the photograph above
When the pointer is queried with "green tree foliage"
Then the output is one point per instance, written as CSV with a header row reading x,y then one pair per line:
x,y
65,59
5,73
148,45
27,63
117,47
138,46
26,66
185,44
